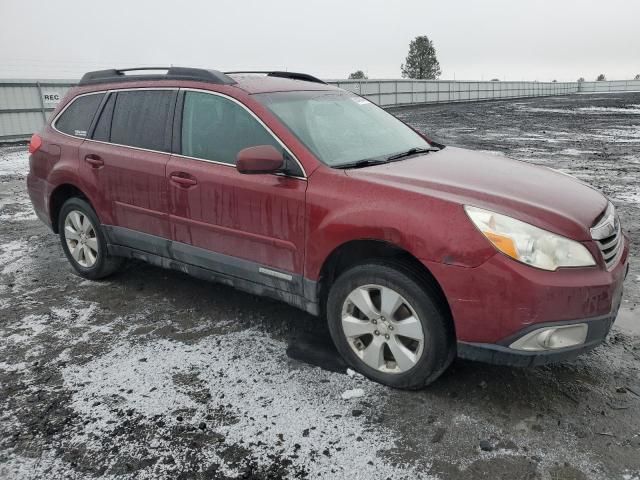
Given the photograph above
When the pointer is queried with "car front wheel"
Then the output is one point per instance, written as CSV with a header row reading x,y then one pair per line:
x,y
390,324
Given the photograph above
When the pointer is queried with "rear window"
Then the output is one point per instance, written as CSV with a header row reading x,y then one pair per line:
x,y
77,117
141,119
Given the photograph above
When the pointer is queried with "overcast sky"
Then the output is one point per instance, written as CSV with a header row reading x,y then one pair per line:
x,y
508,39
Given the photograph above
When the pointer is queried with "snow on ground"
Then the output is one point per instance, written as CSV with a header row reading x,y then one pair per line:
x,y
14,162
629,110
146,379
239,390
15,205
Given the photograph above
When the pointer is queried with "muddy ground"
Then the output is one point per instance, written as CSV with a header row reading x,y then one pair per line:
x,y
153,374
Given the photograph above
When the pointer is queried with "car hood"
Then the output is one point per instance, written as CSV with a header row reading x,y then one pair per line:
x,y
538,195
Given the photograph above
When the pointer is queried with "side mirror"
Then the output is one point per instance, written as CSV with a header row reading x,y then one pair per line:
x,y
259,159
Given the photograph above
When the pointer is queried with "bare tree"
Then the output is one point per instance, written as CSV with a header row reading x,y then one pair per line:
x,y
421,62
581,79
637,77
601,78
357,75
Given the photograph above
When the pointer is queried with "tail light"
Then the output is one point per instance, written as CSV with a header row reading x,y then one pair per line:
x,y
35,143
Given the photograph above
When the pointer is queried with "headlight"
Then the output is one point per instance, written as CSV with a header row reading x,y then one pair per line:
x,y
529,244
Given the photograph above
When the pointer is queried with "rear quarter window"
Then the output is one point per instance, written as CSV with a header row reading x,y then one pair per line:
x,y
77,117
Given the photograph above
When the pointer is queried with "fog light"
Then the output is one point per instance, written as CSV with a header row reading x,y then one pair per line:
x,y
552,338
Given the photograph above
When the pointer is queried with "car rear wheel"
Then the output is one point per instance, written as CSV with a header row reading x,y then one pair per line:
x,y
390,324
83,241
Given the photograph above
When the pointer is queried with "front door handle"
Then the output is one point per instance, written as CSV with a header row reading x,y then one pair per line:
x,y
183,179
94,160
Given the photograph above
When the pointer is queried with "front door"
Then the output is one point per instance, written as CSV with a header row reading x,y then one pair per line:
x,y
247,226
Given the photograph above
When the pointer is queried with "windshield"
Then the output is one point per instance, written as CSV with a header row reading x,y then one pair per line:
x,y
341,128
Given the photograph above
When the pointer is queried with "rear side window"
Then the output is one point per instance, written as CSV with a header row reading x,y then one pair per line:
x,y
77,117
142,119
215,128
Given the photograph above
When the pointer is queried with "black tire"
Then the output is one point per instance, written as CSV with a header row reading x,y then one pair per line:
x,y
105,264
439,337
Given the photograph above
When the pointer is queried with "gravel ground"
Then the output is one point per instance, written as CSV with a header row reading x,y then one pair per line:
x,y
152,374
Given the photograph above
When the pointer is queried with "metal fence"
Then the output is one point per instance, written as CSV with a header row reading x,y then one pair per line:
x,y
388,93
610,86
26,104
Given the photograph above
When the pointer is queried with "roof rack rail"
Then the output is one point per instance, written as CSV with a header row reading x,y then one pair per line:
x,y
173,73
305,77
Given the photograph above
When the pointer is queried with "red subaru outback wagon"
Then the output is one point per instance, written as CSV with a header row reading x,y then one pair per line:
x,y
281,185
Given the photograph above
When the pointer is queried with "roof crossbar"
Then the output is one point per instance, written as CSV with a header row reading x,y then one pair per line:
x,y
173,73
305,77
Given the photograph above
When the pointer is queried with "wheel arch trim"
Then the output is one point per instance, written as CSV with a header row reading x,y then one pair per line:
x,y
368,248
66,190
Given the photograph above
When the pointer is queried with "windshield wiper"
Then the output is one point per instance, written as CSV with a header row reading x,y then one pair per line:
x,y
367,162
411,151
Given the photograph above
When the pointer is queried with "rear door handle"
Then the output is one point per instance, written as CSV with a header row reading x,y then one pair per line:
x,y
183,179
94,160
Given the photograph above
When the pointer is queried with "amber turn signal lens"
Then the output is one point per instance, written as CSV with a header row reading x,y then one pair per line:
x,y
504,244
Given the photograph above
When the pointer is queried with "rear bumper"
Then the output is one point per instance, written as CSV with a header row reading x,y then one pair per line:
x,y
38,190
501,354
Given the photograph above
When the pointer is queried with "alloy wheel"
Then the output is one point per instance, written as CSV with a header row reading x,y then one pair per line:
x,y
382,328
80,235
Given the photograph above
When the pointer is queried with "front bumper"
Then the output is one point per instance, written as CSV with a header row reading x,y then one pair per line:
x,y
500,301
501,354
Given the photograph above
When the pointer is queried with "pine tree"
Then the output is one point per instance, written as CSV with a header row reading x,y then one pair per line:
x,y
421,62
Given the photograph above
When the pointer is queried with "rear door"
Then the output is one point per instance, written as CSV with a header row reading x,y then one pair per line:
x,y
124,166
247,226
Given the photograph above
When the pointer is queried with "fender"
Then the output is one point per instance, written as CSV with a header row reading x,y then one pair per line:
x,y
343,208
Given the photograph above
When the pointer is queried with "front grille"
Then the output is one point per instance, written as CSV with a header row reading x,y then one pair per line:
x,y
608,234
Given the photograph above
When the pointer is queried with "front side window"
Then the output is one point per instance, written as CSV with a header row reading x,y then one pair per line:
x,y
77,117
216,128
142,119
341,128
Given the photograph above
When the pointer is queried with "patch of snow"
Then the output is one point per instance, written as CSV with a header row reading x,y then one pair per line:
x,y
14,163
631,110
37,323
263,406
546,110
574,152
354,393
628,197
612,110
12,367
11,254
